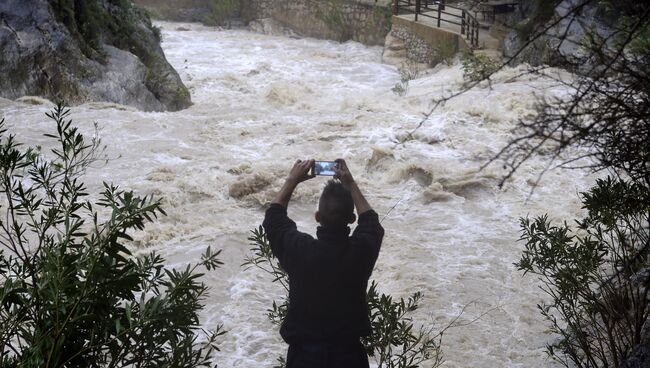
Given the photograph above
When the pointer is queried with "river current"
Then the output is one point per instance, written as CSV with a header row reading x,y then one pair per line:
x,y
260,103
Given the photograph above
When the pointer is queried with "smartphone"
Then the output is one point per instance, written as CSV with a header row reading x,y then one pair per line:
x,y
325,168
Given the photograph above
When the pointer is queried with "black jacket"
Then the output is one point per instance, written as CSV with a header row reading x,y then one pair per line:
x,y
328,276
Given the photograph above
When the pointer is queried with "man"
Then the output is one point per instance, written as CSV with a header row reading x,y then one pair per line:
x,y
328,276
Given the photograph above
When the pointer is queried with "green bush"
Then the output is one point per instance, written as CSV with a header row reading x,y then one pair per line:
x,y
71,292
221,11
382,15
446,51
407,72
394,342
596,276
596,271
329,12
477,67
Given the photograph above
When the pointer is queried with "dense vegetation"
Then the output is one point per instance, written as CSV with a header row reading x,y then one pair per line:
x,y
71,292
596,275
222,10
595,270
477,67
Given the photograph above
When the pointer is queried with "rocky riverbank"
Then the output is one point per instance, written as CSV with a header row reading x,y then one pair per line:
x,y
365,21
98,50
563,36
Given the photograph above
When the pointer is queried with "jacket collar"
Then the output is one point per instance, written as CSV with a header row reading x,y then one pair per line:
x,y
328,233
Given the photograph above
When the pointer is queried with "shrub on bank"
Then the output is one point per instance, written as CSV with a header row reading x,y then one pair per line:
x,y
596,272
477,67
221,11
71,292
596,275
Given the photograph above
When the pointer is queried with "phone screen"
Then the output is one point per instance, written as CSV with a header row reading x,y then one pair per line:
x,y
325,168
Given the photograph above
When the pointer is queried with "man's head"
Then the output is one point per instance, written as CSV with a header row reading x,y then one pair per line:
x,y
335,207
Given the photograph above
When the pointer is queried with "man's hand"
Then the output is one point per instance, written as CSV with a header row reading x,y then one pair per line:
x,y
300,172
343,173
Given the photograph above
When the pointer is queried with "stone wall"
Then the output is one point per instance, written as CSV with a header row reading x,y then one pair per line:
x,y
417,49
339,20
425,44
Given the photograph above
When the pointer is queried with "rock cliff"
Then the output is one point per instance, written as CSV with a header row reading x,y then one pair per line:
x,y
86,50
561,39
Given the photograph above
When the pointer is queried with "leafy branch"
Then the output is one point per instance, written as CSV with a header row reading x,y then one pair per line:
x,y
71,292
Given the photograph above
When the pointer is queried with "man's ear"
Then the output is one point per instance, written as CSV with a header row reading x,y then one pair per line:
x,y
317,216
352,219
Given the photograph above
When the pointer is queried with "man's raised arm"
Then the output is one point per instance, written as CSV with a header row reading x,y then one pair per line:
x,y
280,229
299,173
368,230
344,175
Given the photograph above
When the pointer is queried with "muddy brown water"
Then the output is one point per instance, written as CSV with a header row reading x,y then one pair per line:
x,y
260,103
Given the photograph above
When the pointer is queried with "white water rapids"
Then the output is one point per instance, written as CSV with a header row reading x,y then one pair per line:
x,y
260,103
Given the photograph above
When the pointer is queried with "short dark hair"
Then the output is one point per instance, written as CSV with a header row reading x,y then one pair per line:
x,y
335,206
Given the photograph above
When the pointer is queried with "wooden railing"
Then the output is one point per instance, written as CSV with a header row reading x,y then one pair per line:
x,y
440,12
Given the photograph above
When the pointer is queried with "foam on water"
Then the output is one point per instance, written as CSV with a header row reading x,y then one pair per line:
x,y
260,103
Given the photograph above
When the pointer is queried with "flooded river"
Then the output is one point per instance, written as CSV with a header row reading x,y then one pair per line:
x,y
260,103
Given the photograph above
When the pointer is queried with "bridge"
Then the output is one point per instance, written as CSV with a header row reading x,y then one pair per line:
x,y
471,26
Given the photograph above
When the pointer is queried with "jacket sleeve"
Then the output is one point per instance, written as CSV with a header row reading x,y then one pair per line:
x,y
369,233
282,233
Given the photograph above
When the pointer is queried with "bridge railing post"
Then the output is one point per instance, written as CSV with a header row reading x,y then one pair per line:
x,y
471,32
439,14
462,23
418,3
470,29
395,7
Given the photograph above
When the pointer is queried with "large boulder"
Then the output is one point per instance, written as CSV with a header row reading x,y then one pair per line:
x,y
90,50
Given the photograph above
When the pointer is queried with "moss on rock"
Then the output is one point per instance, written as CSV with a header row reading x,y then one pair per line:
x,y
80,50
